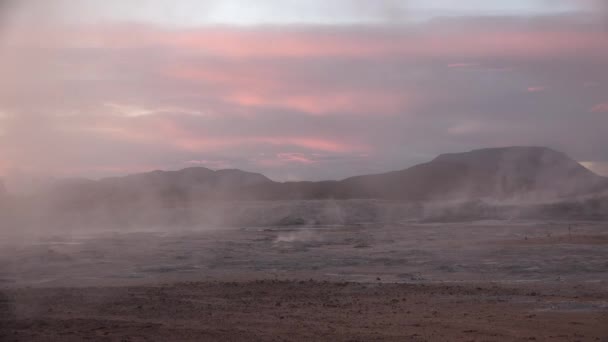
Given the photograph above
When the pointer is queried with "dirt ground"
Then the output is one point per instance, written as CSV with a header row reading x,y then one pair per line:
x,y
469,281
476,252
275,310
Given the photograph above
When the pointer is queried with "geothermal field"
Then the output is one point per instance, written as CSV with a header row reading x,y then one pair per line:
x,y
508,252
505,244
311,277
303,170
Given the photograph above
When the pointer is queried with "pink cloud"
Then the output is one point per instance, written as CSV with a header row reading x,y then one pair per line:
x,y
272,74
590,84
295,158
336,102
536,89
600,108
308,42
247,83
462,65
241,76
264,43
248,86
164,130
312,143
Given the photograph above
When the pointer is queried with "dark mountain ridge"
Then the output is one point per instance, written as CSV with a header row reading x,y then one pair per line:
x,y
486,173
497,173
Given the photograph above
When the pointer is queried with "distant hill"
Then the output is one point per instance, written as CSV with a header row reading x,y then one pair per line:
x,y
3,191
523,172
496,173
173,188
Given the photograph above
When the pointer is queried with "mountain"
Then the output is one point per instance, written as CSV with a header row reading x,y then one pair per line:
x,y
495,173
3,191
169,188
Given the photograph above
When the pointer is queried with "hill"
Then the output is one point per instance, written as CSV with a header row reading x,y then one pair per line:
x,y
536,173
499,173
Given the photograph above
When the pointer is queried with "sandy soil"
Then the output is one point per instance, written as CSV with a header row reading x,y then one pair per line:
x,y
306,311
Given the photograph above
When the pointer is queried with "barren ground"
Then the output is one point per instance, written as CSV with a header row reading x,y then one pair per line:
x,y
483,281
308,311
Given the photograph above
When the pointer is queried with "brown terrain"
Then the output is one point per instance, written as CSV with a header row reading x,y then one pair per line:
x,y
273,310
493,281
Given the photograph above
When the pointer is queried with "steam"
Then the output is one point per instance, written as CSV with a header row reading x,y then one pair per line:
x,y
298,236
96,94
507,183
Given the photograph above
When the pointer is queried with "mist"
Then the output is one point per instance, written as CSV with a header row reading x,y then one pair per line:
x,y
264,170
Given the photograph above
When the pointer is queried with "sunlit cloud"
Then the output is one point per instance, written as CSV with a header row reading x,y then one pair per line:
x,y
82,82
537,89
295,158
131,111
462,65
600,108
600,168
213,164
466,128
591,84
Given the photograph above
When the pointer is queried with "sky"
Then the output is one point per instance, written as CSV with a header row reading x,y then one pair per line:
x,y
296,90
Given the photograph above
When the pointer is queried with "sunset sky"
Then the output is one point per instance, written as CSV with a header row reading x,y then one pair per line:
x,y
295,89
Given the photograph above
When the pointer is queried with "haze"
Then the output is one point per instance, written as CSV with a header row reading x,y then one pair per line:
x,y
295,90
303,170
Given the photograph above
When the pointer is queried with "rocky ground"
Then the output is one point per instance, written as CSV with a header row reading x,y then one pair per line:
x,y
274,310
469,281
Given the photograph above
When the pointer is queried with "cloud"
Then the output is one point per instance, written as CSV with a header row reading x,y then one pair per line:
x,y
296,101
536,89
213,164
135,111
462,65
591,84
600,108
467,128
601,168
295,158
